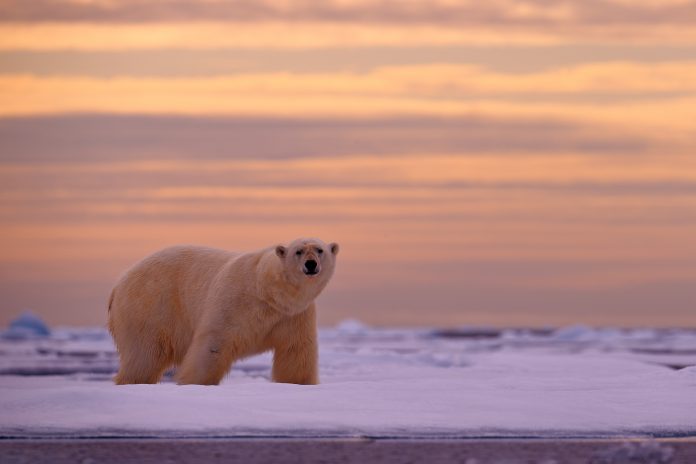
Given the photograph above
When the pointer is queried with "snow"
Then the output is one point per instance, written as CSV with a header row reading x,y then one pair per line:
x,y
570,382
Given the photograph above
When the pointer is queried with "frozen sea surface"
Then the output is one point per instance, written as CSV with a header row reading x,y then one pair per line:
x,y
468,382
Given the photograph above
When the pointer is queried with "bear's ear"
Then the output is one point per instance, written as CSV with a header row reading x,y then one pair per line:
x,y
281,251
334,248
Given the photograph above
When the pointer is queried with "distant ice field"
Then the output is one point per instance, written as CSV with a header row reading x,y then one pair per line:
x,y
376,382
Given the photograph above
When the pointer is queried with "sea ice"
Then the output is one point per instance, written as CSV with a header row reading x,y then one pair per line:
x,y
375,382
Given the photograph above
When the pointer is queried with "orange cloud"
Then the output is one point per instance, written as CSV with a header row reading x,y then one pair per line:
x,y
443,12
667,94
216,35
308,34
334,178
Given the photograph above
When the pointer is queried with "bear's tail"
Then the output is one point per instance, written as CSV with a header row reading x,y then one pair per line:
x,y
109,318
111,300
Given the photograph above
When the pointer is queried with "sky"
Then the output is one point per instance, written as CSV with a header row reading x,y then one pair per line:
x,y
503,163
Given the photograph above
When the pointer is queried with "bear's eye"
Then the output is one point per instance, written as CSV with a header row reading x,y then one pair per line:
x,y
298,253
320,251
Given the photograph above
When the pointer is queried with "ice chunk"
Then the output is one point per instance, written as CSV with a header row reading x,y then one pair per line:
x,y
351,327
576,333
470,332
647,452
27,325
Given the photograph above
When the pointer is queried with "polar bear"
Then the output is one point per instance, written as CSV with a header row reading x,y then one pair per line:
x,y
202,308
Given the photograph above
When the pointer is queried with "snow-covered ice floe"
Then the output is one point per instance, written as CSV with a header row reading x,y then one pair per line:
x,y
468,382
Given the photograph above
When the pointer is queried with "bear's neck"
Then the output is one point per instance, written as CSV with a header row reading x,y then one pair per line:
x,y
278,292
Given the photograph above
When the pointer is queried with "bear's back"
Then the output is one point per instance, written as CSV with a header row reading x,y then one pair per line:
x,y
180,266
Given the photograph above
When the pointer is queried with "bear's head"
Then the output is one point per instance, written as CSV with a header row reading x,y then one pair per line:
x,y
308,260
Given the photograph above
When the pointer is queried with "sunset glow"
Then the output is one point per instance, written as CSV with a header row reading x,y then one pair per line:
x,y
510,164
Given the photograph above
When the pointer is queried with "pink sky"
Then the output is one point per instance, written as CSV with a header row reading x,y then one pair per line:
x,y
500,163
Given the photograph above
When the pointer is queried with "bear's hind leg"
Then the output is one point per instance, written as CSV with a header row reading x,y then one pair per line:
x,y
139,374
144,363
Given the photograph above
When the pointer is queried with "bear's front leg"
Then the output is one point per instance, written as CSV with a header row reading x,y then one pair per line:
x,y
206,361
296,355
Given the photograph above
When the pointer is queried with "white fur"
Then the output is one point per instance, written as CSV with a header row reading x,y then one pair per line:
x,y
202,308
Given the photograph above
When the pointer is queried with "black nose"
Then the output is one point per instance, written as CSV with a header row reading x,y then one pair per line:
x,y
311,265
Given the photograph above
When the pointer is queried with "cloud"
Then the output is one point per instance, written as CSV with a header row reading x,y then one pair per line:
x,y
485,187
431,79
215,34
113,138
499,12
264,35
625,96
211,62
